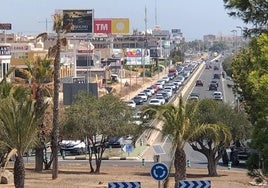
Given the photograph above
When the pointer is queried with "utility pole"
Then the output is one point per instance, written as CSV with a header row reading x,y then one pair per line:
x,y
235,32
155,16
241,39
145,45
46,23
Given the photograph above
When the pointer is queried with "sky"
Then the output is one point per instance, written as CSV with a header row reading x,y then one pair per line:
x,y
195,18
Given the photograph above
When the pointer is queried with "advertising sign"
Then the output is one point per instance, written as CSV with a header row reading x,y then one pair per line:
x,y
111,26
82,20
137,56
133,52
102,26
120,26
5,26
5,50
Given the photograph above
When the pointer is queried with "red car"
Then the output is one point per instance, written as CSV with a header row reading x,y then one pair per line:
x,y
199,83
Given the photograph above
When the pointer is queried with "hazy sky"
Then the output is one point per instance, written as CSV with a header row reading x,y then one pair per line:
x,y
195,18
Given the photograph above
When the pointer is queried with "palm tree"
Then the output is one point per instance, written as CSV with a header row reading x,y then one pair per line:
x,y
18,124
55,52
177,124
39,73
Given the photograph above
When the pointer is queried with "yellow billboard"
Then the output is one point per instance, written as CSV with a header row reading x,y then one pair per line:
x,y
120,26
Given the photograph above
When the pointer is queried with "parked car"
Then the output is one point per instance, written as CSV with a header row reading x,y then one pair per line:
x,y
73,147
138,100
199,83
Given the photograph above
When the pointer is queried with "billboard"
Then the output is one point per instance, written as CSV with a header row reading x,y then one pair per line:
x,y
82,20
5,26
5,50
111,25
137,56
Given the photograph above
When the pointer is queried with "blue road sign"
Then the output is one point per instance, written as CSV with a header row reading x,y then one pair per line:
x,y
159,171
195,184
128,148
124,185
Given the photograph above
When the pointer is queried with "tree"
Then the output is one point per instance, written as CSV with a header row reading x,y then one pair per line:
x,y
177,124
18,125
224,125
251,12
250,73
55,52
177,55
39,73
97,119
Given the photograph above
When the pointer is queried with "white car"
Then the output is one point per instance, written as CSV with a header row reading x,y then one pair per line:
x,y
155,102
217,95
161,82
173,86
166,78
148,92
161,98
169,92
178,83
131,103
180,79
144,96
161,86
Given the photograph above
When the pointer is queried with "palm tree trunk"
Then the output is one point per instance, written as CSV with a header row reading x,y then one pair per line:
x,y
179,165
19,171
39,150
39,156
55,132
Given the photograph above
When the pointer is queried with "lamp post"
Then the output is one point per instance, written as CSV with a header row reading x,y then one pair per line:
x,y
235,34
241,30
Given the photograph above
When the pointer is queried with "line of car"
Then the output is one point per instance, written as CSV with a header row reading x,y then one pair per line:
x,y
161,91
213,84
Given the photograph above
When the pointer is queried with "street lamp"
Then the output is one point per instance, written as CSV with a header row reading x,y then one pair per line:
x,y
241,39
235,32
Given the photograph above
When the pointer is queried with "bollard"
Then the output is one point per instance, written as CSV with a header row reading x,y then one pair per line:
x,y
188,163
63,154
229,165
143,162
